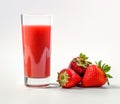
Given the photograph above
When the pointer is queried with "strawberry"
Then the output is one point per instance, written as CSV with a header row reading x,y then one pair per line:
x,y
96,75
79,64
68,78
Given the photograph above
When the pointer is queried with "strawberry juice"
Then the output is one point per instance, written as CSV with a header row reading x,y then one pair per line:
x,y
36,50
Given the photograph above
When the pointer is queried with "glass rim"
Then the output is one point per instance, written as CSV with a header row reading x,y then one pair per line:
x,y
35,14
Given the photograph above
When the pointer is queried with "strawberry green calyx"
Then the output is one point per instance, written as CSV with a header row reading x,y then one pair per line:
x,y
63,78
82,60
83,56
106,68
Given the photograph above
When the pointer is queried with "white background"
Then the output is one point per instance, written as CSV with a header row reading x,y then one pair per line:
x,y
88,26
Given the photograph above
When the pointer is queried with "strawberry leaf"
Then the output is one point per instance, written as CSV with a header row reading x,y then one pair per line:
x,y
109,76
103,66
99,63
106,68
83,56
108,82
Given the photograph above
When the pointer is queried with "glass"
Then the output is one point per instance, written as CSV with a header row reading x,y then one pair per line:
x,y
36,37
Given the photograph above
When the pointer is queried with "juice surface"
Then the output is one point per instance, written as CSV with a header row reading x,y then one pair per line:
x,y
36,50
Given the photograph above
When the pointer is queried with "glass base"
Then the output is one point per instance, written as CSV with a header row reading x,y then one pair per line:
x,y
37,82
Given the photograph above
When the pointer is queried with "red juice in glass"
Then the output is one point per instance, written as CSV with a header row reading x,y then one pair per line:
x,y
36,53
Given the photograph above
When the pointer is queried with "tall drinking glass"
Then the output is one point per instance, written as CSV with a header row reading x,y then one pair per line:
x,y
36,37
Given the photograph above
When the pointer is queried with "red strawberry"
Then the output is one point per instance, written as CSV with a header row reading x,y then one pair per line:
x,y
96,75
79,64
68,78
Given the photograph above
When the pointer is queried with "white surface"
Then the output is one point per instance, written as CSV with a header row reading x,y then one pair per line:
x,y
88,26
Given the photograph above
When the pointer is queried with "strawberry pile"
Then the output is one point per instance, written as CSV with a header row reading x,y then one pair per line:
x,y
83,73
